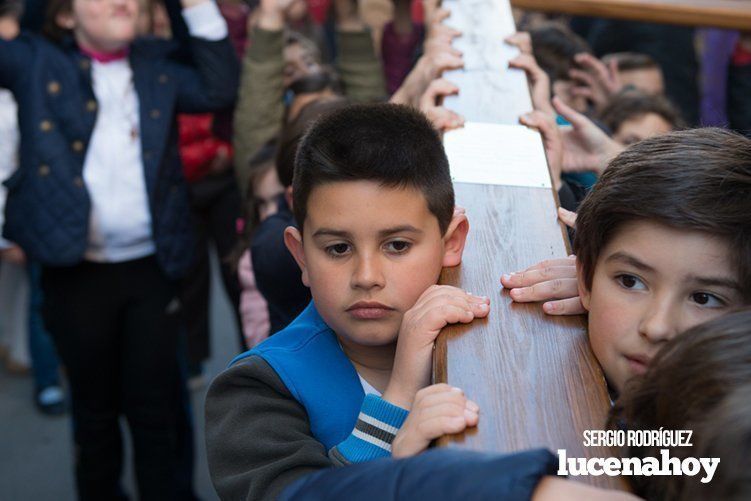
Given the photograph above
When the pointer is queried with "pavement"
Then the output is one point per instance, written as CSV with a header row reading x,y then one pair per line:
x,y
36,450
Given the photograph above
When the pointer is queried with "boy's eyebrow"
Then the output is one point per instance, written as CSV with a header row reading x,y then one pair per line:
x,y
405,228
629,259
715,282
321,232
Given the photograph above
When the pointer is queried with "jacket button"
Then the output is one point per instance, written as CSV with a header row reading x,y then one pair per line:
x,y
78,181
53,87
77,146
155,114
163,78
90,105
45,125
44,170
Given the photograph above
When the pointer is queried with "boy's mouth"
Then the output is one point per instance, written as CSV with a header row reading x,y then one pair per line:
x,y
369,310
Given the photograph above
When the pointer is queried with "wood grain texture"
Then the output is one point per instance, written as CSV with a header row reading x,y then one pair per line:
x,y
732,14
533,376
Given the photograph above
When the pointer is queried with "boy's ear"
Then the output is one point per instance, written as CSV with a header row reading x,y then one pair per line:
x,y
293,241
454,240
585,294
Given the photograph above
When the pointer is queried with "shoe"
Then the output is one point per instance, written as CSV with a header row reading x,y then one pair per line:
x,y
51,401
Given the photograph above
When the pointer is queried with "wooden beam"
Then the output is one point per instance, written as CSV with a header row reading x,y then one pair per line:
x,y
534,376
731,14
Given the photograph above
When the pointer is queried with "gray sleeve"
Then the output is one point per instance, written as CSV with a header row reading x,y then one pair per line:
x,y
258,438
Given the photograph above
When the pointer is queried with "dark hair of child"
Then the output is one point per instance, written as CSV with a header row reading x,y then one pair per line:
x,y
393,145
554,46
630,61
632,103
293,131
693,180
695,382
50,28
11,8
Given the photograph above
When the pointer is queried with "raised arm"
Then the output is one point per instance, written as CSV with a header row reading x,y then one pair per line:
x,y
260,105
210,83
359,67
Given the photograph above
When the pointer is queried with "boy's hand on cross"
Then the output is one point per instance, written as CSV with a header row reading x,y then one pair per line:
x,y
551,279
521,40
551,139
539,82
431,103
438,410
438,307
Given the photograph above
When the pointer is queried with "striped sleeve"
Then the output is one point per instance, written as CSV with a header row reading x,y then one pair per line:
x,y
376,427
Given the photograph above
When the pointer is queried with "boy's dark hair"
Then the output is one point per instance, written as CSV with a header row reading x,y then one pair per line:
x,y
51,29
393,145
11,8
692,381
630,61
693,180
632,103
293,131
554,46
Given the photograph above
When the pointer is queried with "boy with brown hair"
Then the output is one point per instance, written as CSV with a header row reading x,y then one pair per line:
x,y
662,243
347,381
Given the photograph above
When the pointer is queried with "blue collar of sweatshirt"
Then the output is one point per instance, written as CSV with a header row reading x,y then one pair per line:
x,y
307,357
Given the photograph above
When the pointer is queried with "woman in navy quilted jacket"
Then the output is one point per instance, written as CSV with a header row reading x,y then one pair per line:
x,y
99,200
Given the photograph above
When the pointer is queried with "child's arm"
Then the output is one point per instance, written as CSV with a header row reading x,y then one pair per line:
x,y
15,56
211,84
359,67
258,439
260,106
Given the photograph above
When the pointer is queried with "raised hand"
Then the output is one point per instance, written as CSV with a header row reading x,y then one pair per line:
x,y
585,146
597,81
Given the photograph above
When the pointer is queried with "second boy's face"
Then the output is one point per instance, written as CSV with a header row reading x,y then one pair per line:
x,y
652,282
368,252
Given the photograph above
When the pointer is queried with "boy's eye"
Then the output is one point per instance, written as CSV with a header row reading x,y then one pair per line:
x,y
630,282
707,299
337,250
398,246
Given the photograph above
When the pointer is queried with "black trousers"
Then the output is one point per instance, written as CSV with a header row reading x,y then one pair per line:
x,y
115,326
215,204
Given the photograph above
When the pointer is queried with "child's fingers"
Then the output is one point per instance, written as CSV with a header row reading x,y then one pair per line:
x,y
570,306
585,92
442,425
561,261
567,217
583,77
572,116
538,275
559,288
522,40
593,64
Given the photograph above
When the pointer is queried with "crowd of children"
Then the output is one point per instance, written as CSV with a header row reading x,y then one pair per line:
x,y
301,139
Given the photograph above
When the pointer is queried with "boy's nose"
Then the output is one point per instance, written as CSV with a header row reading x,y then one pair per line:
x,y
660,321
367,273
